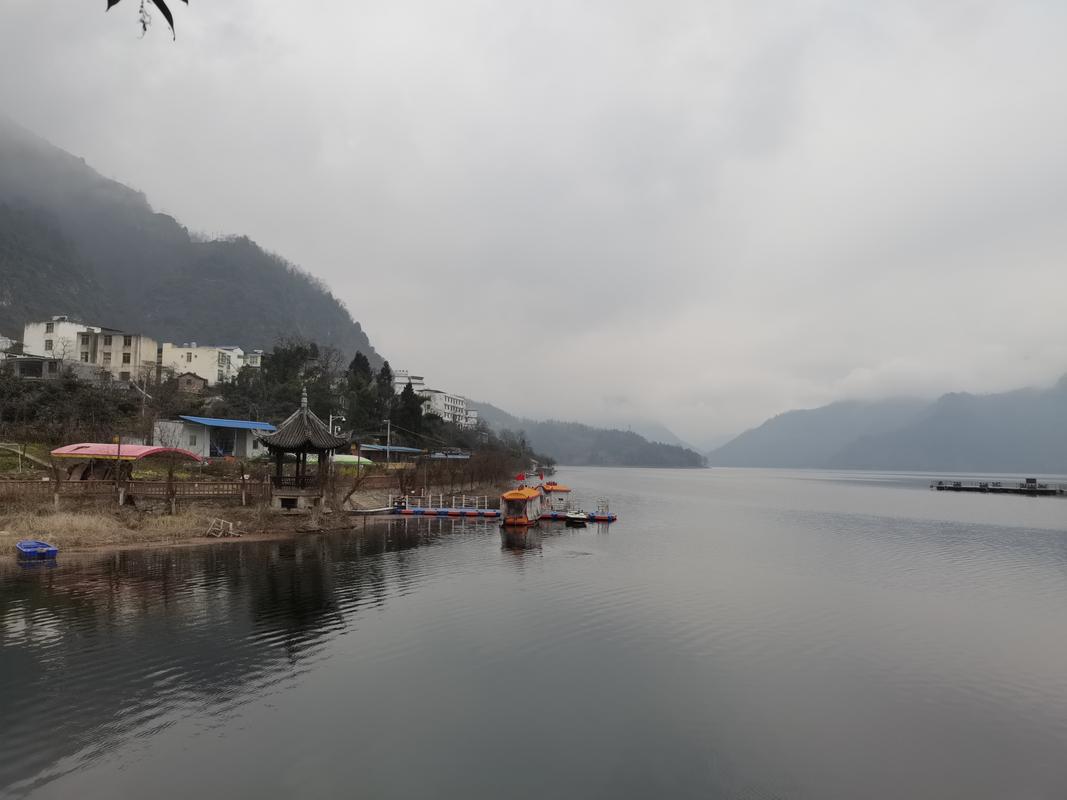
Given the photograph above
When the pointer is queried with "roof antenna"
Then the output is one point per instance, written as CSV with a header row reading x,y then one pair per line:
x,y
304,398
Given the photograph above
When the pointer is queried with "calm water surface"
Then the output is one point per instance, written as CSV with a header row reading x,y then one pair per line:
x,y
738,634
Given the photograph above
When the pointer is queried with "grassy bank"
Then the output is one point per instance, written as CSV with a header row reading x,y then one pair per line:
x,y
96,525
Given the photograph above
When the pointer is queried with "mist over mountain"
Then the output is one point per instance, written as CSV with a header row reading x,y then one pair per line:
x,y
74,242
1019,431
576,444
1022,431
812,437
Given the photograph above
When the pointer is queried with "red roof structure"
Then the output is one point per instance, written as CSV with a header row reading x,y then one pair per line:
x,y
126,452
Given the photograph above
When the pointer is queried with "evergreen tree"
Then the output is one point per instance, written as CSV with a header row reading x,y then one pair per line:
x,y
360,369
383,383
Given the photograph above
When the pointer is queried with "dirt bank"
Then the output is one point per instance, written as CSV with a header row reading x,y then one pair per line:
x,y
107,526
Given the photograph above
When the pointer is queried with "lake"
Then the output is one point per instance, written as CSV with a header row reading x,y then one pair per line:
x,y
747,634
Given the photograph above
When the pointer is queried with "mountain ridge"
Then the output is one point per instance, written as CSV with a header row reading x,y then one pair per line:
x,y
577,444
1022,430
103,233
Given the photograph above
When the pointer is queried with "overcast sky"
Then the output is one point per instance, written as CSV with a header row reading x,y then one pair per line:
x,y
697,212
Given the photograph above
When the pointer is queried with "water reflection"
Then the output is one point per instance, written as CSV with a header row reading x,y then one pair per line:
x,y
102,648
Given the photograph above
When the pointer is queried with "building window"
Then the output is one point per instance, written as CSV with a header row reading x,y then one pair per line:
x,y
125,358
192,440
53,366
107,341
85,356
188,358
127,341
85,339
47,344
124,376
255,444
107,358
220,376
49,327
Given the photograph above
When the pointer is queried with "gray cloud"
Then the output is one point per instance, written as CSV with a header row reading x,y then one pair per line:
x,y
713,211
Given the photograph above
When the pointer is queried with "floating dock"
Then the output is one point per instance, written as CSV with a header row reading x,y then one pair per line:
x,y
561,516
1030,487
484,513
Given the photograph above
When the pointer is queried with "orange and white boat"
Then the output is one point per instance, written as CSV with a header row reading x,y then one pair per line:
x,y
522,506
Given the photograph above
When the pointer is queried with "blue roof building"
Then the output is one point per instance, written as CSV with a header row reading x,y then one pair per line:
x,y
213,437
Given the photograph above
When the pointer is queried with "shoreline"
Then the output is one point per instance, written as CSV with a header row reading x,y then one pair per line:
x,y
95,528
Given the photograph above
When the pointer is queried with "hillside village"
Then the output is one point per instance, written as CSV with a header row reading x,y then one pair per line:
x,y
127,359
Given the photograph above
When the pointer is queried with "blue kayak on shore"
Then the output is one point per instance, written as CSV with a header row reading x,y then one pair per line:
x,y
31,548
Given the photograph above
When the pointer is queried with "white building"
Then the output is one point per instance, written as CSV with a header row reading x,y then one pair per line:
x,y
6,344
402,378
210,437
254,359
449,407
215,364
57,337
125,355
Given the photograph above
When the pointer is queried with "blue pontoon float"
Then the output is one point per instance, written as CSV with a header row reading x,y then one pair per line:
x,y
31,548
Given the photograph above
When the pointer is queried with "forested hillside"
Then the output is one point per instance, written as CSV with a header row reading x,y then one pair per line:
x,y
583,445
73,242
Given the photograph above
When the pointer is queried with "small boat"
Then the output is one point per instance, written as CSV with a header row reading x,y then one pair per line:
x,y
31,548
576,519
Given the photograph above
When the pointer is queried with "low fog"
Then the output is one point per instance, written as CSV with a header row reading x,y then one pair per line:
x,y
702,213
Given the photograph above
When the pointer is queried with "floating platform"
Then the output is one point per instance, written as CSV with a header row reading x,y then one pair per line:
x,y
1029,488
474,513
561,516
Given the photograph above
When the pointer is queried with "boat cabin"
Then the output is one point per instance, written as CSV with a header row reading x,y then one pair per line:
x,y
522,506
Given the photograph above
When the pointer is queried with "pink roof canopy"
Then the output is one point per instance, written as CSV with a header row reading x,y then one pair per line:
x,y
127,452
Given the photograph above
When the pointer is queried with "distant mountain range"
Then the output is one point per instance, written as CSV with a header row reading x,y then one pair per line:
x,y
576,444
1023,431
74,242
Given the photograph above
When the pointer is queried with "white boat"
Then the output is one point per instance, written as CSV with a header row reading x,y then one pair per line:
x,y
576,518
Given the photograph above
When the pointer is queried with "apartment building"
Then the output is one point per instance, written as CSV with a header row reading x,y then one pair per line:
x,y
125,355
449,407
214,363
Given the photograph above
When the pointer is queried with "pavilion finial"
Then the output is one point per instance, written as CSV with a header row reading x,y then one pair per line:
x,y
304,397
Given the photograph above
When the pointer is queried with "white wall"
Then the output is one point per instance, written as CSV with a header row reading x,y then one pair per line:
x,y
203,360
63,338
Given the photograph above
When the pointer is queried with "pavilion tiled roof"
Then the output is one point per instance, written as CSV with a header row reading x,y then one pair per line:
x,y
303,430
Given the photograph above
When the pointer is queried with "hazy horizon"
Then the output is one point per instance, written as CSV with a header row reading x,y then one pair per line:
x,y
698,214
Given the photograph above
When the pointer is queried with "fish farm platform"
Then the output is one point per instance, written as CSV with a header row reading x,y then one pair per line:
x,y
1028,488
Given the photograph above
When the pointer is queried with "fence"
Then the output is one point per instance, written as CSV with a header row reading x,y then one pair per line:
x,y
181,490
443,501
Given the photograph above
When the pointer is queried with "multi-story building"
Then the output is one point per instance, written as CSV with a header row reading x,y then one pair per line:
x,y
402,378
6,344
57,337
215,364
122,354
254,359
449,407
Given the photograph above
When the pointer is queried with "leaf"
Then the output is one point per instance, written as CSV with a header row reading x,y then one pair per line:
x,y
162,6
111,3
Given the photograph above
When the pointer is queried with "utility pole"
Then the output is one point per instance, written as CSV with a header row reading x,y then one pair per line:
x,y
388,440
118,467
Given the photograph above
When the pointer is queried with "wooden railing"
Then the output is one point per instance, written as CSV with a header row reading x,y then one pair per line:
x,y
163,489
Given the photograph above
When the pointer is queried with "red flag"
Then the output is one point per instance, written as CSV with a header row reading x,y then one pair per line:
x,y
541,475
521,476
